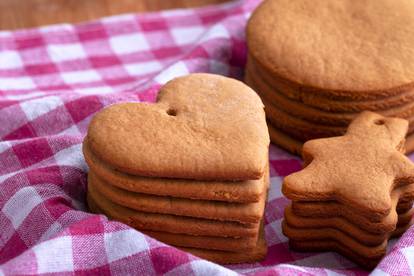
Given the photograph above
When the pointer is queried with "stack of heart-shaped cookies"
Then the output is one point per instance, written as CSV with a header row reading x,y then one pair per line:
x,y
355,192
317,64
190,170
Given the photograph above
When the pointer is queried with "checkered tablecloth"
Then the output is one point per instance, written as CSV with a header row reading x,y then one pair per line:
x,y
53,79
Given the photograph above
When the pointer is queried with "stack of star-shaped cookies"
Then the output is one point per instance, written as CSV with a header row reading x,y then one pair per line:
x,y
318,64
190,170
355,192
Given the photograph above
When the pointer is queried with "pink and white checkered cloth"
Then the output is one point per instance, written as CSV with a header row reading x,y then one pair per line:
x,y
53,79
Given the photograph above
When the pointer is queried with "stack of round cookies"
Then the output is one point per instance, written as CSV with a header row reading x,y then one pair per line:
x,y
317,64
182,171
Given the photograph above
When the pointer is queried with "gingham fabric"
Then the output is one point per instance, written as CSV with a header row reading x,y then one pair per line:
x,y
53,79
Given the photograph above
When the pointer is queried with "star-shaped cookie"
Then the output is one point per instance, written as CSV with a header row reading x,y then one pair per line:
x,y
359,169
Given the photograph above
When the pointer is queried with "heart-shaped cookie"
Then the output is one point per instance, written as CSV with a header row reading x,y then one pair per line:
x,y
203,126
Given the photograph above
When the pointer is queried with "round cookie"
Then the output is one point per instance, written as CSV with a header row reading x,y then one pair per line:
x,y
294,146
305,130
312,114
327,104
340,49
298,128
284,141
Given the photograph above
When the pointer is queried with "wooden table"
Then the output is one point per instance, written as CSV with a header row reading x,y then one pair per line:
x,y
16,14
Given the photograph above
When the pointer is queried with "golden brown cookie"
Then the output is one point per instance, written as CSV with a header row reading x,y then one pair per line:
x,y
223,257
344,249
283,140
294,146
215,243
366,159
305,112
326,234
302,129
328,245
223,211
228,191
242,244
369,237
203,126
298,128
339,49
325,213
171,223
324,103
332,209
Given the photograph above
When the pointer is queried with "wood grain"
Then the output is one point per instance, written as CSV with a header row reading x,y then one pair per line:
x,y
16,14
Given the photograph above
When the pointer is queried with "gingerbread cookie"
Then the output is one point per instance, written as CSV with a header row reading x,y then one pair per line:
x,y
338,166
171,223
363,236
323,103
309,234
207,242
203,126
224,211
302,111
285,141
228,191
280,31
344,249
328,245
298,128
224,257
401,212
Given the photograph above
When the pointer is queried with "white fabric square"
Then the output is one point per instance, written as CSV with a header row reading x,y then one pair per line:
x,y
80,76
137,69
37,107
63,52
95,90
19,206
4,145
218,31
203,267
124,243
10,60
54,255
71,156
187,35
409,256
16,83
126,44
275,190
73,130
178,69
376,272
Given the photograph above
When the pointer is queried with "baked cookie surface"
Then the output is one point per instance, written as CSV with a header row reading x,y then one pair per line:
x,y
356,49
203,126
